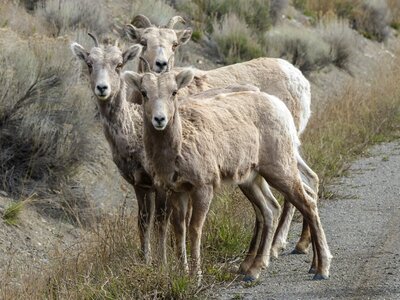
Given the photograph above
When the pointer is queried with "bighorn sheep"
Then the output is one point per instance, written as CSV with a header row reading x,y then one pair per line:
x,y
122,126
274,76
192,146
159,43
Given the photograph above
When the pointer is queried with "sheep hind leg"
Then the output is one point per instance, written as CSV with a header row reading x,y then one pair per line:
x,y
251,253
145,217
308,207
282,231
310,184
268,208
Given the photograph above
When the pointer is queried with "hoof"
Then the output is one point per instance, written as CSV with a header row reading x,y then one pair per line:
x,y
320,277
249,278
312,271
274,253
297,251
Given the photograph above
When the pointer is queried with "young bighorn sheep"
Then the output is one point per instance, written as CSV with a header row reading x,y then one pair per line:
x,y
192,146
122,126
274,76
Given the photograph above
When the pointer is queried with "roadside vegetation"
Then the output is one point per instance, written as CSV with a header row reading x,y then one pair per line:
x,y
48,126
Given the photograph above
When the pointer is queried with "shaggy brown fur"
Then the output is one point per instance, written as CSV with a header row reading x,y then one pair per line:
x,y
194,145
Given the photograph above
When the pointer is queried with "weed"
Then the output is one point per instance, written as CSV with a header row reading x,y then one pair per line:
x,y
12,213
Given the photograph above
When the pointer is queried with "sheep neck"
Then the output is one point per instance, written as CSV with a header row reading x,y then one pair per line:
x,y
163,148
121,124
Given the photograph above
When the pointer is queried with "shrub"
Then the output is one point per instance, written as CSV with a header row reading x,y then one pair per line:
x,y
341,40
277,7
255,13
372,19
235,40
394,6
66,16
18,19
300,46
43,120
158,11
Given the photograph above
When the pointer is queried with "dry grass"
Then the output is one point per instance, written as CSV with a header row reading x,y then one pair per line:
x,y
347,125
371,18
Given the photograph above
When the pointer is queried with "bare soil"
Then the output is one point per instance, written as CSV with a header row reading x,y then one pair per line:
x,y
362,224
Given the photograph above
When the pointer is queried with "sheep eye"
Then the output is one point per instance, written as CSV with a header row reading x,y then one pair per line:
x,y
144,94
174,46
143,43
90,66
174,93
119,67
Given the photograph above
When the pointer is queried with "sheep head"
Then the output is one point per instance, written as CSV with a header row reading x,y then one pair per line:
x,y
104,63
159,93
159,43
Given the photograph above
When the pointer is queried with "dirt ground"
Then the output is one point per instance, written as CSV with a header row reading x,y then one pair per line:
x,y
362,224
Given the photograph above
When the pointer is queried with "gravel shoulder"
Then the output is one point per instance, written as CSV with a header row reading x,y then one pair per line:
x,y
362,224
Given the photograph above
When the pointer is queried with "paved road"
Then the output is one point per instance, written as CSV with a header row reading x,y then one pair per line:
x,y
362,225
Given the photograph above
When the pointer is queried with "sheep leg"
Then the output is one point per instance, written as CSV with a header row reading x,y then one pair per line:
x,y
255,241
179,206
294,191
162,214
311,185
201,200
146,213
268,209
280,237
309,178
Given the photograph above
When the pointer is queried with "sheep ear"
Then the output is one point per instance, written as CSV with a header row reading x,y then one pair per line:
x,y
133,79
131,53
79,51
184,35
184,78
132,32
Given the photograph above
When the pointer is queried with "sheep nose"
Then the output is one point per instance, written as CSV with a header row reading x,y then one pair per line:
x,y
161,64
101,88
159,119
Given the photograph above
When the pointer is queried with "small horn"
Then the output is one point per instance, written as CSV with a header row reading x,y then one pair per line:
x,y
96,42
141,21
146,64
175,20
116,43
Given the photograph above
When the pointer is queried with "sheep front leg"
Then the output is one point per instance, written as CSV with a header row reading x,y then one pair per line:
x,y
179,206
145,217
162,215
201,200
